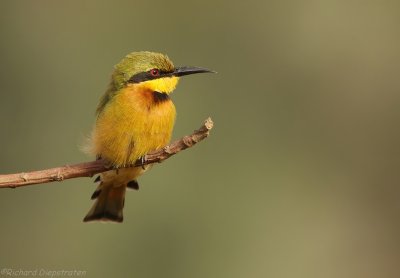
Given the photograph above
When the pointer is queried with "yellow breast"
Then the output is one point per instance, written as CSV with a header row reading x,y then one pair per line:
x,y
134,123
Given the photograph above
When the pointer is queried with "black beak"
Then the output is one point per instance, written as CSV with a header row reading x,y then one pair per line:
x,y
181,71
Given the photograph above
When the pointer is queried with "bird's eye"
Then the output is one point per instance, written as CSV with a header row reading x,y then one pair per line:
x,y
154,72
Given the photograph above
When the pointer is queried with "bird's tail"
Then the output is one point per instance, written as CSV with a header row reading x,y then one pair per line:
x,y
110,194
109,203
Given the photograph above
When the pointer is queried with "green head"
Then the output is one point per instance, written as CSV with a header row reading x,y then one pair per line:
x,y
137,63
150,70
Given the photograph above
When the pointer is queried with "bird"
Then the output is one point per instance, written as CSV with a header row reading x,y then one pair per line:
x,y
135,116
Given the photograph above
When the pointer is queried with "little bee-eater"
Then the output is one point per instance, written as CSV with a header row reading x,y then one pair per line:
x,y
134,116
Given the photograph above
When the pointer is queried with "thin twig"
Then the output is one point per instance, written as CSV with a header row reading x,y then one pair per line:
x,y
88,169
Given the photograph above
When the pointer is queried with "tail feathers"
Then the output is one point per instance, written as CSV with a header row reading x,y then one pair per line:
x,y
108,205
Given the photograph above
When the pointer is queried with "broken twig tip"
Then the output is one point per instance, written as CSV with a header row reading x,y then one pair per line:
x,y
209,123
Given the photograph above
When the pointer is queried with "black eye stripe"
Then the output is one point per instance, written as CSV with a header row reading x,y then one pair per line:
x,y
146,75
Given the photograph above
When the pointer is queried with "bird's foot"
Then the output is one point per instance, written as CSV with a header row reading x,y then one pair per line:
x,y
115,168
143,160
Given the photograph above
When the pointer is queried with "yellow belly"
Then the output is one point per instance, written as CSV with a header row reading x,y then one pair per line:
x,y
132,125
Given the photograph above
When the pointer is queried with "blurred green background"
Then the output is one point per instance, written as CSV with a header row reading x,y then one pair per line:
x,y
299,178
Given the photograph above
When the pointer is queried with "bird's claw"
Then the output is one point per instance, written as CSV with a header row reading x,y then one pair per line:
x,y
143,160
116,168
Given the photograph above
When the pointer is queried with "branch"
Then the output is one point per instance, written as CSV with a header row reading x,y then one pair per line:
x,y
88,169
